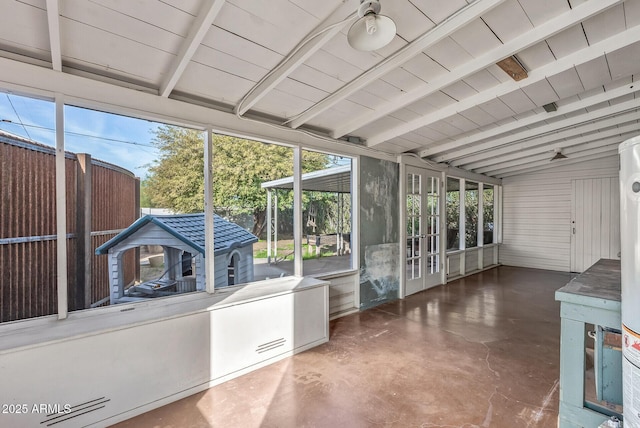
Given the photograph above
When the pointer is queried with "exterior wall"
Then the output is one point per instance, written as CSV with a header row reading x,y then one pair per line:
x,y
537,214
379,232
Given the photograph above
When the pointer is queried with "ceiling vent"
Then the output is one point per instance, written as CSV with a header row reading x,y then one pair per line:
x,y
551,107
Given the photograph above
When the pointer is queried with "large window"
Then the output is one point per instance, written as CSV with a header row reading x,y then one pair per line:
x,y
326,215
134,215
243,170
471,214
488,214
453,214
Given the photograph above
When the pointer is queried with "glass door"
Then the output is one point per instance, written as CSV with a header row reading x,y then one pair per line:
x,y
423,230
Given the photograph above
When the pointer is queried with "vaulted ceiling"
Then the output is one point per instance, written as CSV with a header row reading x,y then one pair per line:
x,y
436,90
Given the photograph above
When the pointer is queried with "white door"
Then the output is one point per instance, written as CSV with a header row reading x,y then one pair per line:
x,y
423,230
595,221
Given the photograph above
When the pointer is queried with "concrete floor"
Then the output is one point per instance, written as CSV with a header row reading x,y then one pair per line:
x,y
479,352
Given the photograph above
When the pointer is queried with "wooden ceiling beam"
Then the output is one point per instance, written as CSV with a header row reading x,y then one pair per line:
x,y
528,39
53,20
198,31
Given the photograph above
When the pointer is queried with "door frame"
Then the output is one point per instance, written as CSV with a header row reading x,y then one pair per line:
x,y
441,278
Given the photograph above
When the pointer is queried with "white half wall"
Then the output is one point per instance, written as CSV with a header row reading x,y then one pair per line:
x,y
537,214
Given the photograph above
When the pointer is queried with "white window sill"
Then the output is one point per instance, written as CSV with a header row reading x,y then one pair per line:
x,y
30,333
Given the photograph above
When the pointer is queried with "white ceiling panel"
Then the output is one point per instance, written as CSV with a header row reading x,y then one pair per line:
x,y
338,47
566,84
105,19
541,93
632,12
518,101
536,56
230,64
92,47
622,99
26,27
476,38
459,91
540,11
598,106
402,79
448,53
478,116
320,10
445,129
414,137
604,25
594,73
481,81
497,108
306,92
498,73
627,80
508,20
430,133
405,115
624,62
335,67
439,10
398,144
316,78
248,21
241,48
462,123
328,118
383,89
410,22
378,126
423,67
439,99
568,41
284,103
210,83
367,99
422,107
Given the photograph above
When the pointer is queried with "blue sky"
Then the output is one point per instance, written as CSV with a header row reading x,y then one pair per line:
x,y
120,140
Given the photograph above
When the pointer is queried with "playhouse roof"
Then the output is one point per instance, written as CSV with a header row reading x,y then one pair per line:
x,y
189,228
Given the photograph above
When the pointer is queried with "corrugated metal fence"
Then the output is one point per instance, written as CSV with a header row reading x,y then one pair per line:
x,y
28,228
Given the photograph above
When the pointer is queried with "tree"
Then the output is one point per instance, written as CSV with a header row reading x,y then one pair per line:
x,y
240,166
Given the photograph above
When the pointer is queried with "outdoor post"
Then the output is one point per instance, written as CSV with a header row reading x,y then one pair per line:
x,y
84,254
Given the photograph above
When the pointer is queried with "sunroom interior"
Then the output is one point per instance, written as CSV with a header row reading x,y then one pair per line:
x,y
481,139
